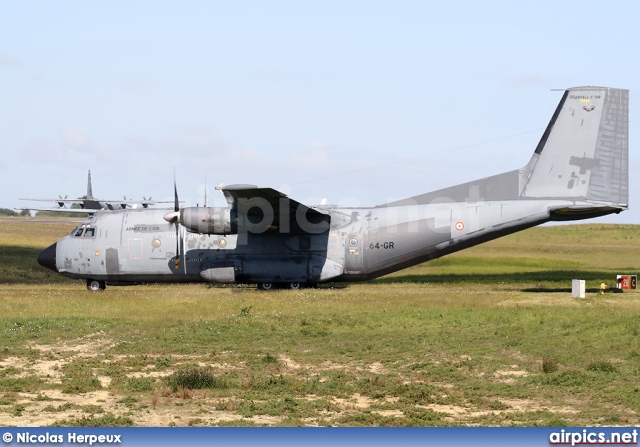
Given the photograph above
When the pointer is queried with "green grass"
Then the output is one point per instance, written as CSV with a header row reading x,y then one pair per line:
x,y
458,341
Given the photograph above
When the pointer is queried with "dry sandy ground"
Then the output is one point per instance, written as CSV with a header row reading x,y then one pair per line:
x,y
193,407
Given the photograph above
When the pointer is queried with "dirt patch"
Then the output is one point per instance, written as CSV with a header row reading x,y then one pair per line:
x,y
160,406
289,363
509,376
87,346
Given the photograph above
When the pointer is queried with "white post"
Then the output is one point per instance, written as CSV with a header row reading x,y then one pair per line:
x,y
578,288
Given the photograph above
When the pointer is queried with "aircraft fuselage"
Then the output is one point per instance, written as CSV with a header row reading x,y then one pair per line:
x,y
137,246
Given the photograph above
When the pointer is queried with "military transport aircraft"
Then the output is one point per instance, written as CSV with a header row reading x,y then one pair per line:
x,y
579,170
90,204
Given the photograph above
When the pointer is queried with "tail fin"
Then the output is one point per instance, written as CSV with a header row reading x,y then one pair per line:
x,y
89,188
583,154
580,166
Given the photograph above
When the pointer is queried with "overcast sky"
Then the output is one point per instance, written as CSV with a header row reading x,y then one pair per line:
x,y
358,102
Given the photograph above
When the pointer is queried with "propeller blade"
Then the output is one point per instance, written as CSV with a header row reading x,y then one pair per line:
x,y
176,205
177,261
176,215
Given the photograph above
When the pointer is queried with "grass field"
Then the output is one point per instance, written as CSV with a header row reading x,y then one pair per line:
x,y
488,336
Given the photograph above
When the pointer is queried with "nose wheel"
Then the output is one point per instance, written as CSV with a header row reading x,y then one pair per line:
x,y
94,285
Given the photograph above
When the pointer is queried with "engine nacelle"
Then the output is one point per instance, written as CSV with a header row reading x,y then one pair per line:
x,y
209,220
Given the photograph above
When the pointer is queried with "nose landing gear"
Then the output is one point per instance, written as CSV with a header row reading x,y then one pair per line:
x,y
94,285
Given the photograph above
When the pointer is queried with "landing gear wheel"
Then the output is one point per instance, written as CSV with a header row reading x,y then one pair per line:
x,y
95,286
265,286
295,285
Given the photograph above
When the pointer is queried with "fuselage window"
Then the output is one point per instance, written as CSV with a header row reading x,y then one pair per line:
x,y
89,232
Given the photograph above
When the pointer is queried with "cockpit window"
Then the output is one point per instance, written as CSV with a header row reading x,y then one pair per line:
x,y
85,231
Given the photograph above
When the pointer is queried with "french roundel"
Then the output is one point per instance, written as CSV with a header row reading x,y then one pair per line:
x,y
459,226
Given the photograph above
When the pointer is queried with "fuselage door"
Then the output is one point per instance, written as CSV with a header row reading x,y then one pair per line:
x,y
353,254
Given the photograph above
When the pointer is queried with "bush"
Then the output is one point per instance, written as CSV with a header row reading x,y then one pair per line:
x,y
602,366
549,365
7,212
194,378
108,420
138,384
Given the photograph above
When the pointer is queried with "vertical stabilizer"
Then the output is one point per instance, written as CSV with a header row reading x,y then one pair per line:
x,y
89,188
584,152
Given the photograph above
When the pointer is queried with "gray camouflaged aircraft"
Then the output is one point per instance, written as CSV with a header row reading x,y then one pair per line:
x,y
90,204
579,170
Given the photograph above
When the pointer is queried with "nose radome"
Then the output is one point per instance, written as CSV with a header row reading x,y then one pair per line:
x,y
47,257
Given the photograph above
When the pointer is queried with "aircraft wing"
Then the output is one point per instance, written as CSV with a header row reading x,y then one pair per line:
x,y
253,201
61,210
132,202
61,202
54,200
115,204
96,203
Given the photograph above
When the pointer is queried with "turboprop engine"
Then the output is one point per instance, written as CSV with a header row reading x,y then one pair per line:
x,y
209,220
206,220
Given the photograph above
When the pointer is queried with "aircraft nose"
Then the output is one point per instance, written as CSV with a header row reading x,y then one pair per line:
x,y
47,257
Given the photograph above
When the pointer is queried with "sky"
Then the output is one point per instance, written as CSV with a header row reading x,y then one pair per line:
x,y
355,102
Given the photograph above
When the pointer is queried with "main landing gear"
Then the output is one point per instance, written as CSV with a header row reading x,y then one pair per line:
x,y
94,285
284,285
265,286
